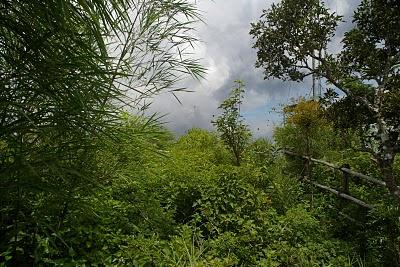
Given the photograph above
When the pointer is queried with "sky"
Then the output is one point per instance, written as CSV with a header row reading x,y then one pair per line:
x,y
226,51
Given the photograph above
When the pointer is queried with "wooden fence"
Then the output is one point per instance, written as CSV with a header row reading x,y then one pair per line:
x,y
347,173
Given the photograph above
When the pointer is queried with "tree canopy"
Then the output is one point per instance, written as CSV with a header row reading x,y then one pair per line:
x,y
291,34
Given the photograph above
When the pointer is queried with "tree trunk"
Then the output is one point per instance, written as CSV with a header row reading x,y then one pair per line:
x,y
386,153
237,157
385,163
388,175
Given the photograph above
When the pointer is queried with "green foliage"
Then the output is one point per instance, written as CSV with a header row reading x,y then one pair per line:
x,y
262,152
230,125
279,30
384,236
307,131
203,145
191,166
225,206
65,67
364,70
284,190
84,185
182,203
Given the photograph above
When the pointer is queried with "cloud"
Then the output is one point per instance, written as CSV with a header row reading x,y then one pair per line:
x,y
227,52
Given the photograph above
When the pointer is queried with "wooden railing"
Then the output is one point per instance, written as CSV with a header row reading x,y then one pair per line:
x,y
346,174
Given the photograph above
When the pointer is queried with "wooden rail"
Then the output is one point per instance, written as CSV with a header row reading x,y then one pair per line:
x,y
343,169
342,195
344,192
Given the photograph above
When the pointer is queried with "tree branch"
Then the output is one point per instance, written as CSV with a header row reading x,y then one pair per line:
x,y
330,78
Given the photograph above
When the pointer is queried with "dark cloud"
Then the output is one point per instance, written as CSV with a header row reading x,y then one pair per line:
x,y
227,53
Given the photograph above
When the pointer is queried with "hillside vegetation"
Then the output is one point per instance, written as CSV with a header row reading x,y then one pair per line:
x,y
84,182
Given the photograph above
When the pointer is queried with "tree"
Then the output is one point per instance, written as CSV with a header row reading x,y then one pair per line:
x,y
230,125
305,121
291,34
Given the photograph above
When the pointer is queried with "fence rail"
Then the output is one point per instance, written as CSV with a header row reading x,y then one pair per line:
x,y
346,171
343,195
343,169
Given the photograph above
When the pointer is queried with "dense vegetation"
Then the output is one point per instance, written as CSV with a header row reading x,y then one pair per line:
x,y
85,183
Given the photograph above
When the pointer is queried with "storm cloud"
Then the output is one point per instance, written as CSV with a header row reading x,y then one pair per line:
x,y
226,51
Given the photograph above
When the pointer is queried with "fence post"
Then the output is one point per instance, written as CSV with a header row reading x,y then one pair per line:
x,y
345,179
306,168
308,176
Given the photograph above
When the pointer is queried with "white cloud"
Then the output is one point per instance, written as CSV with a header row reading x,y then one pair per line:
x,y
227,52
